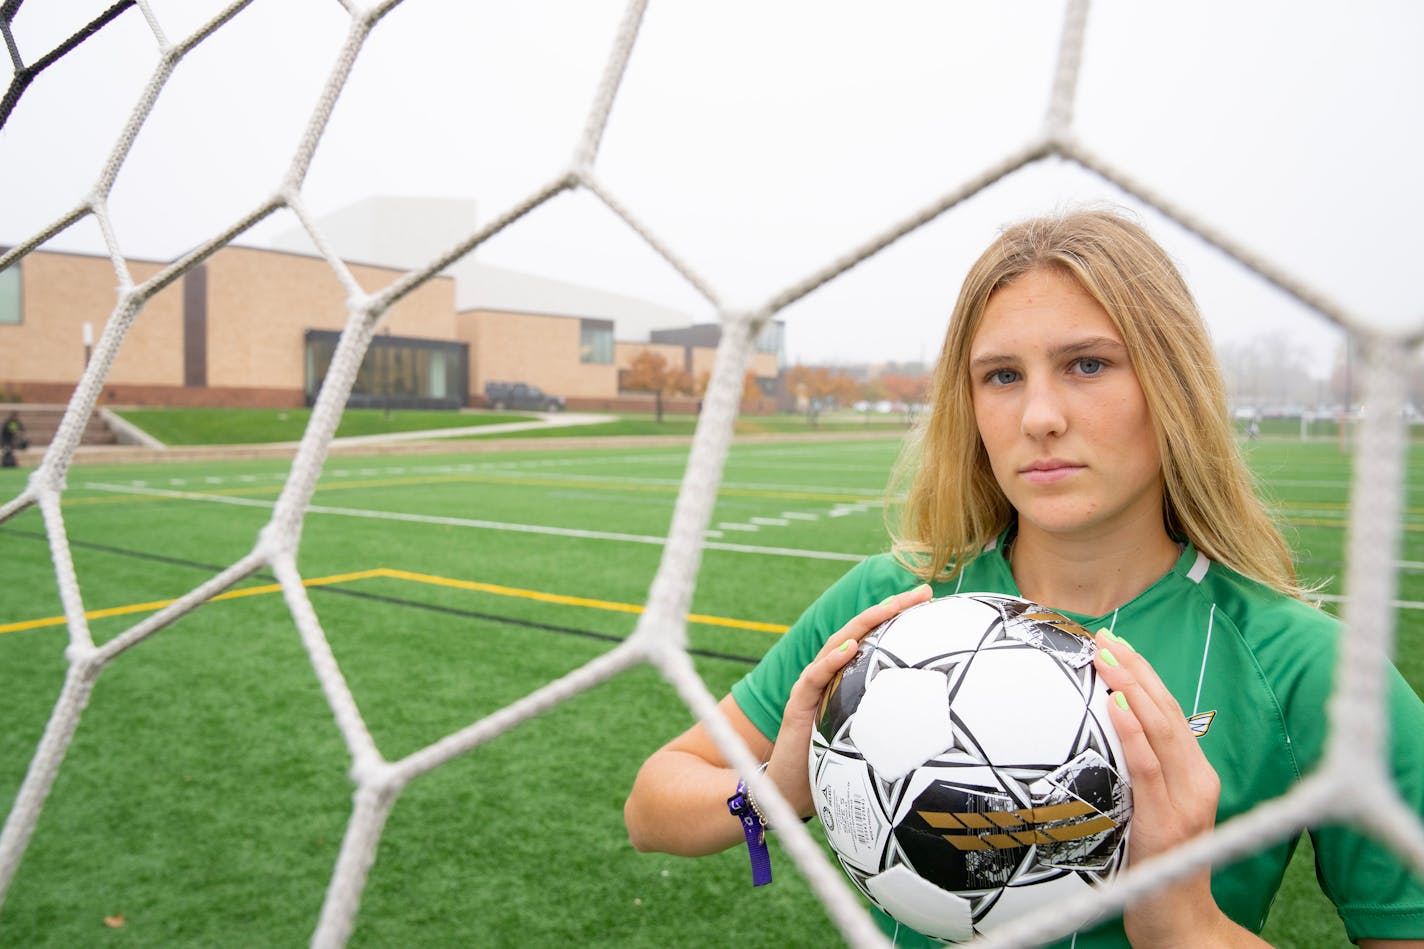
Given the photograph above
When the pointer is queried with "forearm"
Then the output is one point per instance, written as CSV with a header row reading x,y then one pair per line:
x,y
678,805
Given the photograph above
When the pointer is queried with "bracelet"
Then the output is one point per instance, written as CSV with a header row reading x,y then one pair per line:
x,y
744,810
751,799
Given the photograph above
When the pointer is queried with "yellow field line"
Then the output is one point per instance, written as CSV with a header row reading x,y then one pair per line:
x,y
563,600
408,576
156,605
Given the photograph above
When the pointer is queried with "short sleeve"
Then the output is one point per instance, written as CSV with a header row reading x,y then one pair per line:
x,y
761,694
1374,891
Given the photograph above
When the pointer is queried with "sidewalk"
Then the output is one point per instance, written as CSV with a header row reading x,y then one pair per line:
x,y
545,420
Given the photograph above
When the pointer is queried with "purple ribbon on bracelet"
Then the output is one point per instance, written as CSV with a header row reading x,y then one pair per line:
x,y
740,804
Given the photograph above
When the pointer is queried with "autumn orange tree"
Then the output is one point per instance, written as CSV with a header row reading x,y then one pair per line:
x,y
650,372
820,386
910,390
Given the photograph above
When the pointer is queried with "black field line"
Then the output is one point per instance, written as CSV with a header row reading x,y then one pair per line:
x,y
372,597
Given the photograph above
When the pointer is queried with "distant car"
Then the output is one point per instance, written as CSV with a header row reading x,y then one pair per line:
x,y
517,395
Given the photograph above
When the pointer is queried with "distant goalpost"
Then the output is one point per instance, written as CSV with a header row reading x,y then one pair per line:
x,y
1353,785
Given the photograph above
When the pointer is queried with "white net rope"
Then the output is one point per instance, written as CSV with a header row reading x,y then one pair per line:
x,y
1353,784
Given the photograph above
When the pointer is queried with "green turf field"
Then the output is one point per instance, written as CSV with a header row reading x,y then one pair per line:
x,y
252,426
205,796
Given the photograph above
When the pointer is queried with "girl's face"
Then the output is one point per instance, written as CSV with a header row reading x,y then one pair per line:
x,y
1061,413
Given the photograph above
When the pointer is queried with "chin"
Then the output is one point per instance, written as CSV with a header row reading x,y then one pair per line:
x,y
1058,522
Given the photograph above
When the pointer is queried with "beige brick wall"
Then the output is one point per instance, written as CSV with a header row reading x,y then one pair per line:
x,y
764,365
258,305
261,302
540,350
62,292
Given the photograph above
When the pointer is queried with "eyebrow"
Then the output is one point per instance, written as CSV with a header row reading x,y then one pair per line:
x,y
1076,348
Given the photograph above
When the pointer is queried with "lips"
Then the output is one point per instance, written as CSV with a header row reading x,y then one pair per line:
x,y
1048,471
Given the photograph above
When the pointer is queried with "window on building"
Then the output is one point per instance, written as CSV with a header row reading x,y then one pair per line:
x,y
771,338
10,309
397,372
596,341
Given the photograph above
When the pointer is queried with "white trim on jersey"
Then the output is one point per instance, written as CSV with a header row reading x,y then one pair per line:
x,y
1199,568
1206,650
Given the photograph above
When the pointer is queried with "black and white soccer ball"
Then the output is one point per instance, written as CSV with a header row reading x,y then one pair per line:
x,y
964,767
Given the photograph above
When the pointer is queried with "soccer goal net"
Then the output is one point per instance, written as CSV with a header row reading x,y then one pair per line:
x,y
1353,785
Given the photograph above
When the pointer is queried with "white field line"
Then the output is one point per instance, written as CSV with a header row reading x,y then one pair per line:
x,y
872,496
573,532
480,524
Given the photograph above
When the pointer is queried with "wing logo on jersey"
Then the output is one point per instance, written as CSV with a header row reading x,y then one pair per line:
x,y
1201,723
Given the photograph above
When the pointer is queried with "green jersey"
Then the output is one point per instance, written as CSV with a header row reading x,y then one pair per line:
x,y
1251,668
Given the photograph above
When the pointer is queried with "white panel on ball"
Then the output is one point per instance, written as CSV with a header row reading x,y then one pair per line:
x,y
894,698
1014,733
849,809
921,905
920,631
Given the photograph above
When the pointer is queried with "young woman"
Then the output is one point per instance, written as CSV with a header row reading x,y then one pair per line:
x,y
1079,453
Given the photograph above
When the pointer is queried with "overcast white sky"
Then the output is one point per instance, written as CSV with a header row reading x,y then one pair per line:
x,y
760,139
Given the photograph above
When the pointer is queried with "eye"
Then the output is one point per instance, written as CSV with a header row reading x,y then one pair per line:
x,y
1089,366
1002,377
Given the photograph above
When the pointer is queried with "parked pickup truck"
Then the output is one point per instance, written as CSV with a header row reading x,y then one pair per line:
x,y
517,395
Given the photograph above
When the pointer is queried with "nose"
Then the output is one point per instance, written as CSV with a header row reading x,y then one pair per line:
x,y
1043,410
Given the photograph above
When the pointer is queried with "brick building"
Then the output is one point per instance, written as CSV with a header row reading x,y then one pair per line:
x,y
257,327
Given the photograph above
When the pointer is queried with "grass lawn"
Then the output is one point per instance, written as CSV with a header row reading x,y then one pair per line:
x,y
205,794
254,426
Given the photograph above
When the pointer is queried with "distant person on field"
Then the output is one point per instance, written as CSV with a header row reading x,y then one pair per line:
x,y
12,438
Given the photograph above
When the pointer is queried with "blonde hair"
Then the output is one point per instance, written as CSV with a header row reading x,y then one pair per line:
x,y
953,505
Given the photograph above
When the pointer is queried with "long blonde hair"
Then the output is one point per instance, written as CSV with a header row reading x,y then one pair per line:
x,y
952,504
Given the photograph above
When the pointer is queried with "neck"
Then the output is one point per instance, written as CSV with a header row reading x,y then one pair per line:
x,y
1091,576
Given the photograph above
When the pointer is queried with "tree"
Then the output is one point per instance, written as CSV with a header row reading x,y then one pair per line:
x,y
819,387
908,390
650,372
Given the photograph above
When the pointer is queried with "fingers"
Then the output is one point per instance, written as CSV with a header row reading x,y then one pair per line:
x,y
867,620
788,760
841,647
1163,756
1174,789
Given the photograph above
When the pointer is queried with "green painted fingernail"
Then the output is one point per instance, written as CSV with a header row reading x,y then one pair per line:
x,y
1121,700
845,646
1108,657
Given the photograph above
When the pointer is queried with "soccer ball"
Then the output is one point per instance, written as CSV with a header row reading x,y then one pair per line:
x,y
964,768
